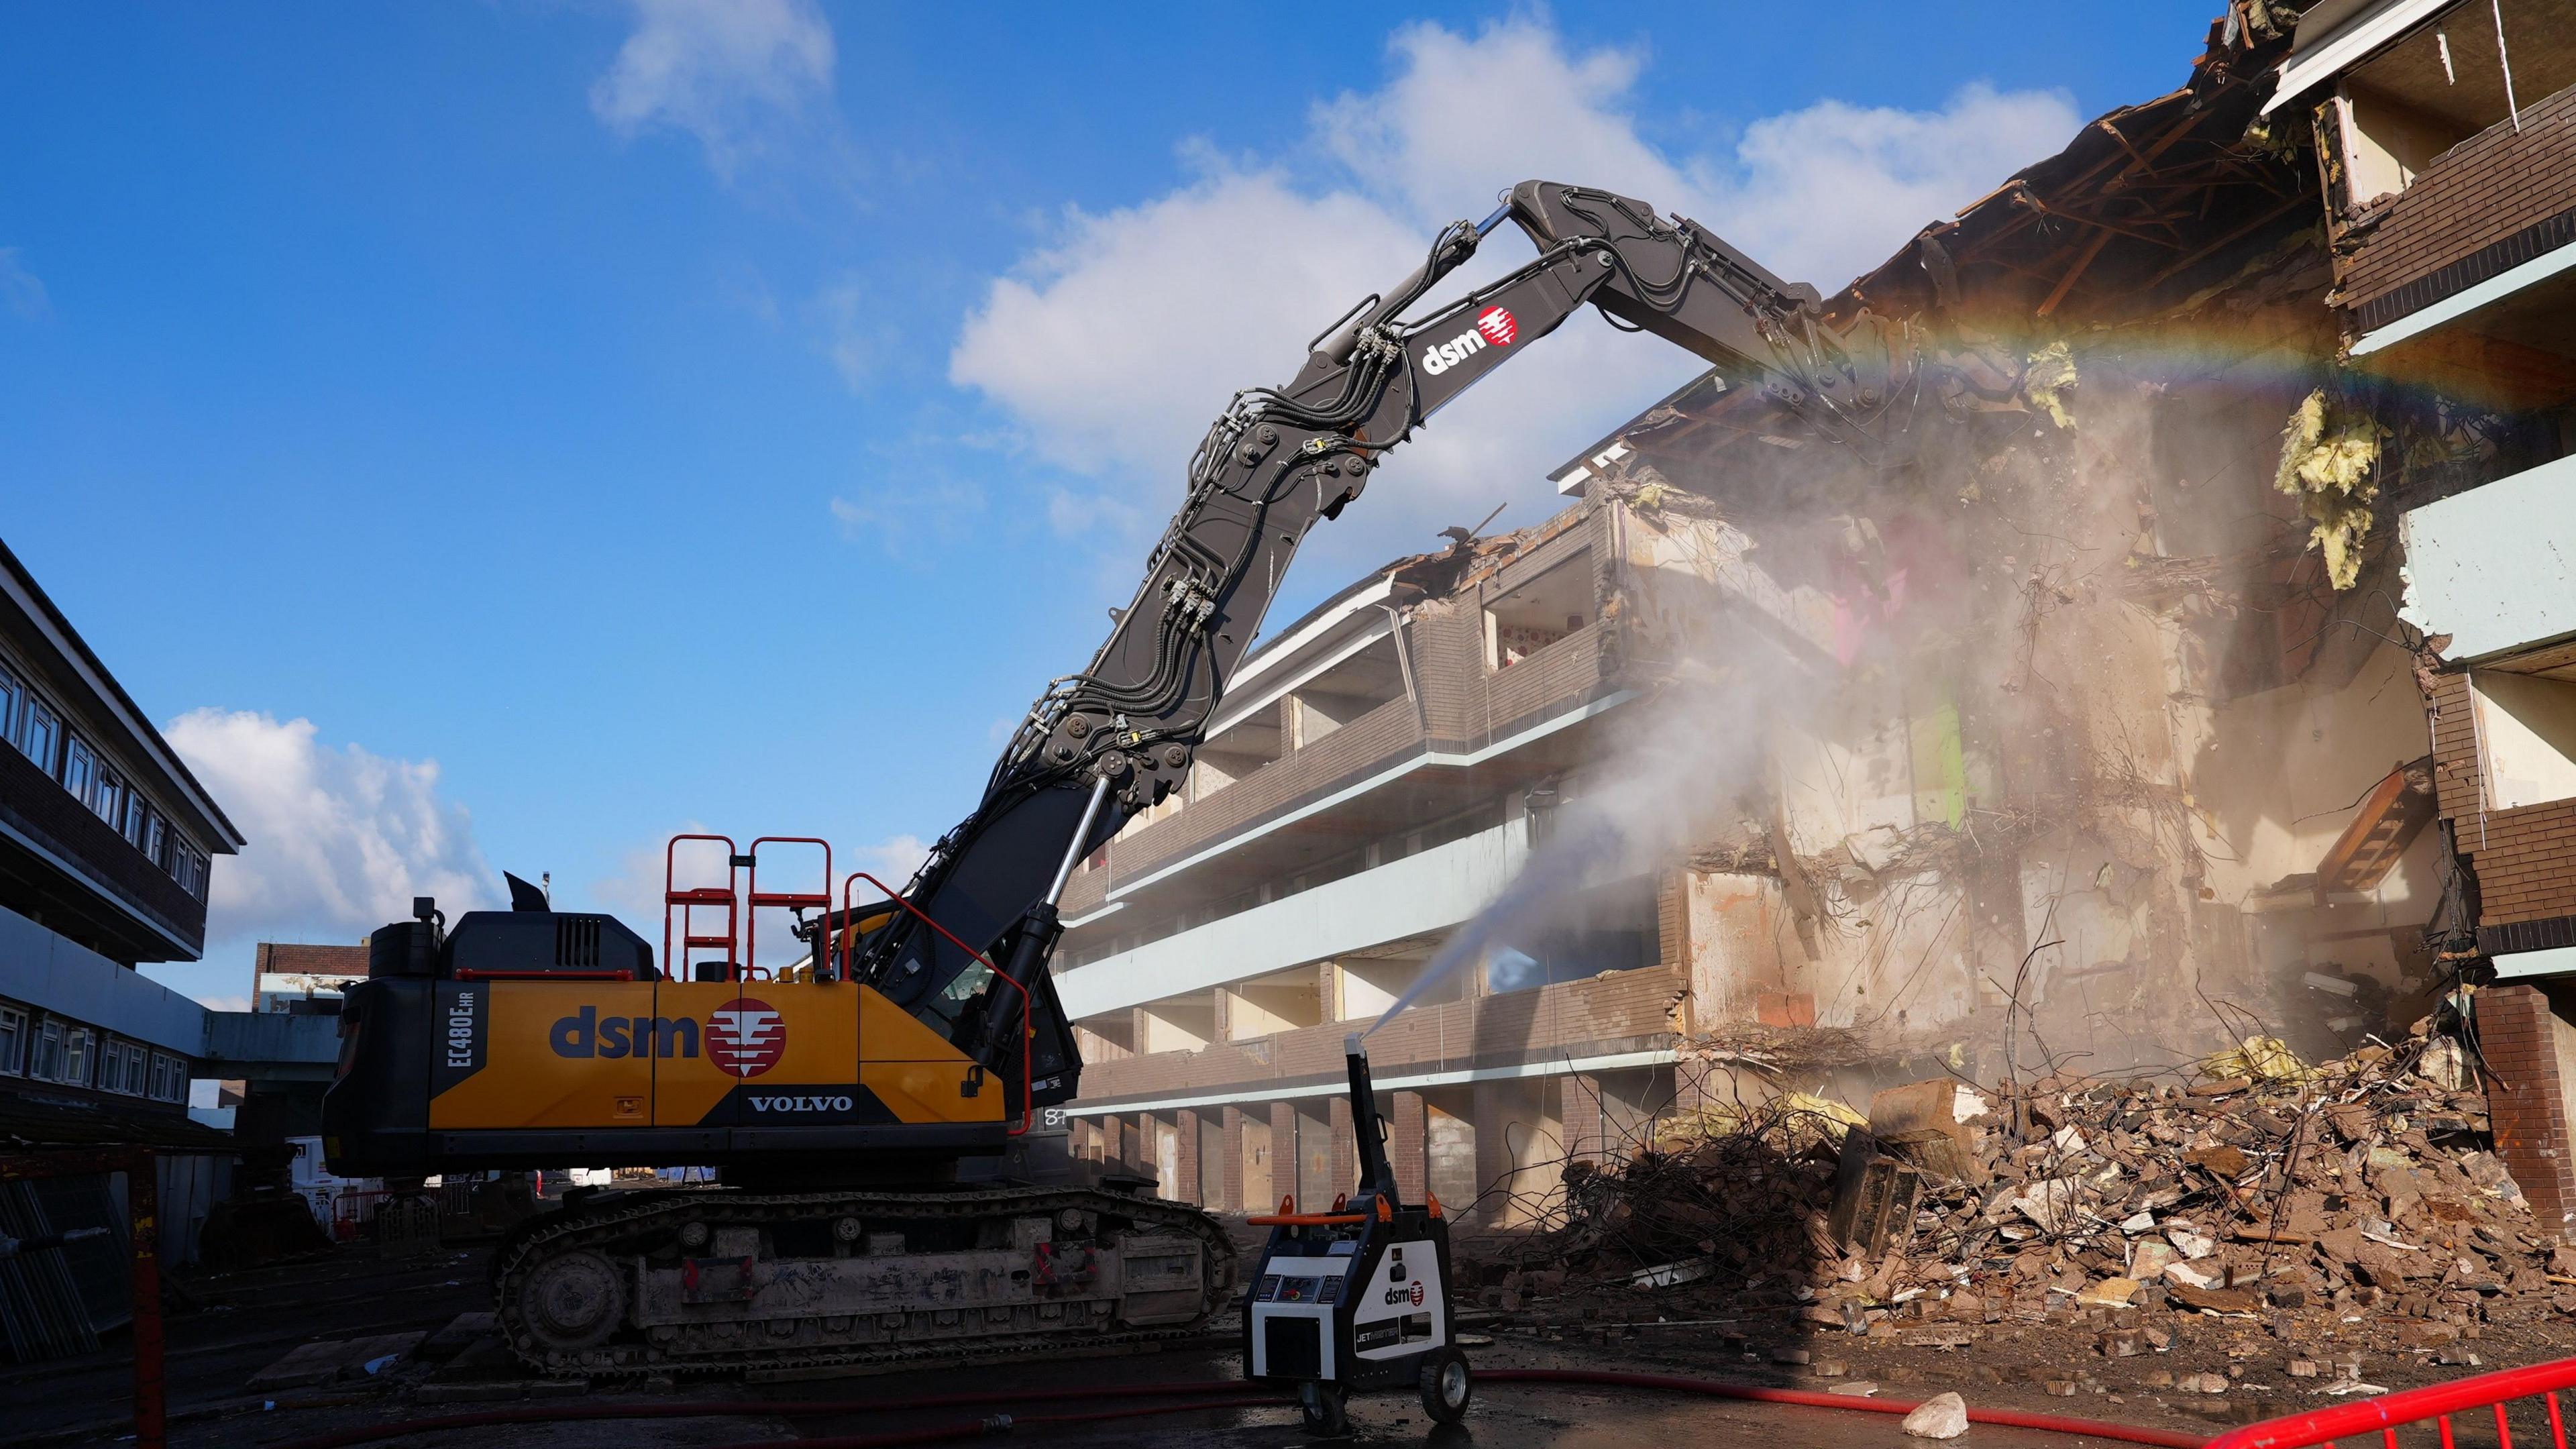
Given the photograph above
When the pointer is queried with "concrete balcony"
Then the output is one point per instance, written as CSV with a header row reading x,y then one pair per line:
x,y
2495,567
1414,896
1620,1019
1488,715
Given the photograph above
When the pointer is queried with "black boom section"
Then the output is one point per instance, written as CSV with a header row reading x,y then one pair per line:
x,y
1275,463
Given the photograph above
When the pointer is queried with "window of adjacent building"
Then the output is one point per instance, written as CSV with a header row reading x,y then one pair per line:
x,y
13,1041
156,840
2526,737
107,796
11,692
169,1078
1537,612
46,1063
188,868
39,735
80,767
79,1046
137,814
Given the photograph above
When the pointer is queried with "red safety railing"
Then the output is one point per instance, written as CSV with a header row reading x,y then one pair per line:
x,y
2385,1414
1027,1012
781,900
693,899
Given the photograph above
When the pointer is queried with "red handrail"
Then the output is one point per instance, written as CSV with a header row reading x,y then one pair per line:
x,y
1028,1011
820,901
2383,1414
673,967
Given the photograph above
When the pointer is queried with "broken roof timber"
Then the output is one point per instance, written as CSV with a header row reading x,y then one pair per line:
x,y
2174,174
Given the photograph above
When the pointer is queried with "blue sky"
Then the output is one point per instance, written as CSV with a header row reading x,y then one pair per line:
x,y
501,434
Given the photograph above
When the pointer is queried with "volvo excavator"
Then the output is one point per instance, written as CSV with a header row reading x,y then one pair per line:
x,y
922,1028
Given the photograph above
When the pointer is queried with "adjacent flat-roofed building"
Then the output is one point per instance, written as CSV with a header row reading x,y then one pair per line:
x,y
106,843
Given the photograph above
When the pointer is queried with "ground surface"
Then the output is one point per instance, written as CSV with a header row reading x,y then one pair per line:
x,y
248,1321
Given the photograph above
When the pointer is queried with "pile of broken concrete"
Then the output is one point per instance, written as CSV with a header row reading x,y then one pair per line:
x,y
2265,1189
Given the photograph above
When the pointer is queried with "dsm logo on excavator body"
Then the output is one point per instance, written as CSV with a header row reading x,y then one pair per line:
x,y
743,1037
1495,327
586,1033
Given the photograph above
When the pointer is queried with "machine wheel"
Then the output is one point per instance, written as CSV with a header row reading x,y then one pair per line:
x,y
1446,1385
574,1301
1321,1407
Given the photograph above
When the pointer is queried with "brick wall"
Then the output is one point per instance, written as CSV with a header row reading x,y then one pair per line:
x,y
2525,858
2521,1039
2483,193
37,805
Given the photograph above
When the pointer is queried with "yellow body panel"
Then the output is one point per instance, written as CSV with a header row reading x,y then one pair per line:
x,y
527,1082
692,1054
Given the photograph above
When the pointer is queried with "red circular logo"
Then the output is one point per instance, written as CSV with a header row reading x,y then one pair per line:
x,y
1498,326
746,1037
1417,1288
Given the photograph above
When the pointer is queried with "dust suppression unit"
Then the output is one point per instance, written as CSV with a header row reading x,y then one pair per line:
x,y
1357,1298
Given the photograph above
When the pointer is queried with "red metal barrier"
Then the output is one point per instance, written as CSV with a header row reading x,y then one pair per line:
x,y
2385,1414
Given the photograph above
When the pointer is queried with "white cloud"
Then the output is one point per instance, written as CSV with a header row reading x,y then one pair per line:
x,y
340,839
22,291
894,859
1113,344
720,70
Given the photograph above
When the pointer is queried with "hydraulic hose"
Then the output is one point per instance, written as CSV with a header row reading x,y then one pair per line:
x,y
1188,1397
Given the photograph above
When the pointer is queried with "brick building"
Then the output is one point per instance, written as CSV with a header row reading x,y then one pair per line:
x,y
2446,138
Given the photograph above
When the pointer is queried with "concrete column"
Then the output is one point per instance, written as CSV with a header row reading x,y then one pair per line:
x,y
1112,1140
1346,1151
1406,1145
1232,1165
1585,1134
1283,1153
1494,1165
1185,1159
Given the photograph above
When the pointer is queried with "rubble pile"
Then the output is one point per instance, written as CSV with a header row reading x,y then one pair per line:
x,y
2363,1191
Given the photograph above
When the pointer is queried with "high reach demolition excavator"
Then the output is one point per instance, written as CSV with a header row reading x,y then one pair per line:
x,y
922,1028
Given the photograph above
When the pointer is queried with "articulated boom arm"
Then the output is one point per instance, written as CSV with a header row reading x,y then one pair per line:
x,y
1103,744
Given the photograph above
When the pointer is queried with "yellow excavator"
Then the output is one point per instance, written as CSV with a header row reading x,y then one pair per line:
x,y
920,1028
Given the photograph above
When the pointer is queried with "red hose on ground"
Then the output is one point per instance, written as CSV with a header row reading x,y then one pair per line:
x,y
2005,1418
977,1428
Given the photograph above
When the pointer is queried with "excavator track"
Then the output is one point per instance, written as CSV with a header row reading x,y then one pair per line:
x,y
587,1291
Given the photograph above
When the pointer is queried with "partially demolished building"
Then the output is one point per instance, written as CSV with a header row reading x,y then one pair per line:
x,y
2200,678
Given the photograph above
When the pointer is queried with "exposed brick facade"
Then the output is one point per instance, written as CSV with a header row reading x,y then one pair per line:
x,y
2525,858
2490,190
38,807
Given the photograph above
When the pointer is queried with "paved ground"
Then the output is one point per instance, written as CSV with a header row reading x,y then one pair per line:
x,y
247,1321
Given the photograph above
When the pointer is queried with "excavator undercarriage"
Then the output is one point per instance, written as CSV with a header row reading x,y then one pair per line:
x,y
677,1280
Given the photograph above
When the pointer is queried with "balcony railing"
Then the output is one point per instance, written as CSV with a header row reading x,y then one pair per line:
x,y
1489,706
1623,1011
